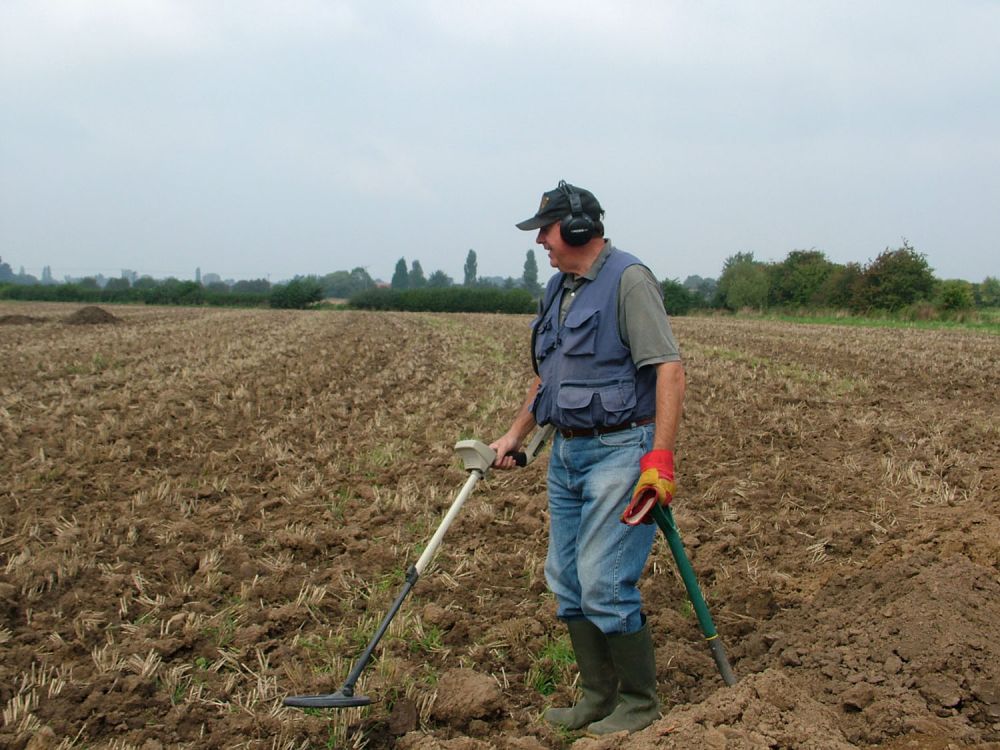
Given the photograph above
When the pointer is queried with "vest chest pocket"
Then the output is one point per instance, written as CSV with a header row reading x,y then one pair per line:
x,y
579,333
543,338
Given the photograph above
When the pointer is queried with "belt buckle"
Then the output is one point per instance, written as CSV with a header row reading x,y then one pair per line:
x,y
577,432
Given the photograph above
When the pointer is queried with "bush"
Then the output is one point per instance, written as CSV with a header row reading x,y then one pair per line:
x,y
744,282
840,288
894,280
169,292
799,280
988,292
297,294
175,292
954,295
678,299
452,299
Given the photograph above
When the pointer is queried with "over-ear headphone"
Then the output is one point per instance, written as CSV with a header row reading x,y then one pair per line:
x,y
578,228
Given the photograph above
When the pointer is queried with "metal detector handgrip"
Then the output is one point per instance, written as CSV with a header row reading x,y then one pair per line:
x,y
534,447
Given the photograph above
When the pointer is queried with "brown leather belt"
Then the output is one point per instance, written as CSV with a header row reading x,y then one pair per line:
x,y
595,431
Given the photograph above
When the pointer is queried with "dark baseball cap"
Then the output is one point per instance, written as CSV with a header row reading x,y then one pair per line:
x,y
554,206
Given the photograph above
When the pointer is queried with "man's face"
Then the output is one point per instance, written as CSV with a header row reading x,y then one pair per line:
x,y
559,252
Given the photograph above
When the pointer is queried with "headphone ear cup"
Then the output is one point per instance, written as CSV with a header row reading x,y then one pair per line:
x,y
576,229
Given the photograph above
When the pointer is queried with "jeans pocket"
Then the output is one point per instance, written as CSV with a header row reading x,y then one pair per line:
x,y
638,437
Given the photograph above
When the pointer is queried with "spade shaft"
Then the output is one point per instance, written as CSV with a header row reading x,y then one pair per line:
x,y
665,520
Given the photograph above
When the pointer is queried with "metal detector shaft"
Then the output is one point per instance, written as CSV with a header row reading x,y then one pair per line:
x,y
477,458
665,520
412,575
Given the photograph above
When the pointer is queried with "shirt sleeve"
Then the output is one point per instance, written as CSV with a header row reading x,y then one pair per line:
x,y
642,320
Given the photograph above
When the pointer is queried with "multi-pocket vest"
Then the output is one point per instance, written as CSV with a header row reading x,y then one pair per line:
x,y
588,377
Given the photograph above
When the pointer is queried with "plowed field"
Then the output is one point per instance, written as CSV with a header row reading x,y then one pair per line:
x,y
202,511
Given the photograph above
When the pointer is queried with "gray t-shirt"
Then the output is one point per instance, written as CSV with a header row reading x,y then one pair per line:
x,y
642,321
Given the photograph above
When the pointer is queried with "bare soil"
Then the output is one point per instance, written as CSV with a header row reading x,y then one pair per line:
x,y
91,315
202,511
19,320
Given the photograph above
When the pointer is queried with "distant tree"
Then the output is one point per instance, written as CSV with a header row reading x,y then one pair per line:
x,y
416,278
453,299
988,292
337,284
439,280
47,276
361,278
703,289
677,299
401,277
217,287
23,277
252,286
344,284
797,281
529,279
743,283
6,274
841,288
297,294
172,291
471,269
499,282
115,285
88,282
895,279
145,282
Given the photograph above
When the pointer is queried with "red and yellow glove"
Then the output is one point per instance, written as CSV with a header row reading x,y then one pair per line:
x,y
656,485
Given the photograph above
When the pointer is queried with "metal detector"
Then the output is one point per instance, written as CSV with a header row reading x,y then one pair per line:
x,y
478,458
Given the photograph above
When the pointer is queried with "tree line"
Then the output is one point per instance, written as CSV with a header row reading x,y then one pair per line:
x,y
340,285
409,290
412,277
898,281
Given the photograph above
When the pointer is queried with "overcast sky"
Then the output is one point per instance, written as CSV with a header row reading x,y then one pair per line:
x,y
268,139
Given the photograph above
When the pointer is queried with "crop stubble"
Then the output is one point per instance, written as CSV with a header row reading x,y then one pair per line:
x,y
204,510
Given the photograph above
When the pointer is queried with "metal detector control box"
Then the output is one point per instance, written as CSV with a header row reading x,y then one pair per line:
x,y
475,455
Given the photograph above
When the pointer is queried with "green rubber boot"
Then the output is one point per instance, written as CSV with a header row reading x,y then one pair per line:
x,y
598,681
635,664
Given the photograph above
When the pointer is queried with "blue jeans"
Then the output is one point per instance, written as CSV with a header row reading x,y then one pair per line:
x,y
594,560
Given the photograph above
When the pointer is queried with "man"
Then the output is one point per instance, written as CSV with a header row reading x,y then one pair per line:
x,y
610,379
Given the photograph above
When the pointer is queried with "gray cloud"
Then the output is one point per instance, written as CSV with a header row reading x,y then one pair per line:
x,y
308,136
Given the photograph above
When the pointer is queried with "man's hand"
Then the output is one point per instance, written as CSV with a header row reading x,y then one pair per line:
x,y
655,485
504,447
